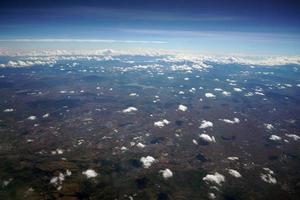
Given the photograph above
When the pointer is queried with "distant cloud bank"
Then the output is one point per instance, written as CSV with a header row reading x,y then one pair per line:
x,y
177,60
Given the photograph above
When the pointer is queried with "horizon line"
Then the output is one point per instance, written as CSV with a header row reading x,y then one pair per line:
x,y
84,40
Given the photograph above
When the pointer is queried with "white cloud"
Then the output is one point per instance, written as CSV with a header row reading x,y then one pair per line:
x,y
133,94
259,93
233,158
293,136
275,138
57,181
90,173
210,95
8,110
206,124
211,195
161,123
59,151
46,115
214,178
6,182
234,173
192,90
28,63
256,60
168,56
182,108
123,148
249,94
129,109
234,121
237,89
166,173
225,93
268,170
140,145
68,173
269,176
31,117
218,89
207,138
195,142
147,161
269,126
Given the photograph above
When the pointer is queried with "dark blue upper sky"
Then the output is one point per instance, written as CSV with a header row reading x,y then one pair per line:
x,y
214,26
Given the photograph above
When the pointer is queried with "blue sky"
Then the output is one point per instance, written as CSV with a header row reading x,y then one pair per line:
x,y
210,26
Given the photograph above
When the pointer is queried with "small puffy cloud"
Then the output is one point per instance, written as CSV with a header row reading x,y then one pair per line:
x,y
192,90
269,126
259,93
210,95
8,110
57,181
234,173
249,94
6,182
132,143
46,115
214,178
123,148
211,195
233,158
207,138
275,138
195,142
293,136
90,173
29,63
161,123
225,93
234,121
268,177
129,109
68,172
237,89
59,151
133,95
140,145
147,161
206,124
182,108
268,170
218,89
31,117
166,173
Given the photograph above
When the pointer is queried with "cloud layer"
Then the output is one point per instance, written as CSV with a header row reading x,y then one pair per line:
x,y
177,60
